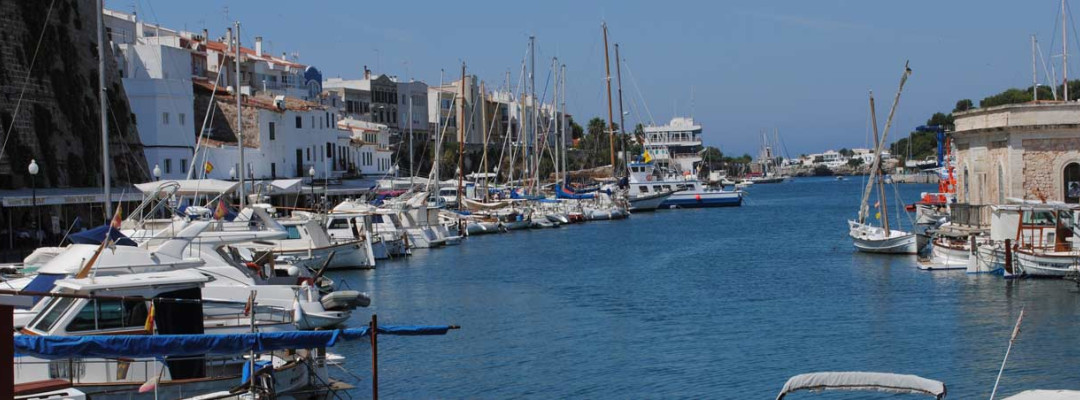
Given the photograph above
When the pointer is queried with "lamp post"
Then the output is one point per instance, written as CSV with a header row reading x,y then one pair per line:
x,y
311,173
157,172
232,174
33,169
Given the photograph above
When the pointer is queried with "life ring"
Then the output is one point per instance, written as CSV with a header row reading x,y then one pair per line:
x,y
648,178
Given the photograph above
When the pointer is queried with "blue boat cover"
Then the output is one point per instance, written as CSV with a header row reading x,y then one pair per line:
x,y
112,346
97,235
563,193
42,283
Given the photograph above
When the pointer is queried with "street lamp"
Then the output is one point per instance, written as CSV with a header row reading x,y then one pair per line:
x,y
311,173
157,172
232,173
33,169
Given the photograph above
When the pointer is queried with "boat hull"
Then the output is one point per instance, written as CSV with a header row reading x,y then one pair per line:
x,y
648,202
688,199
947,256
870,239
1044,265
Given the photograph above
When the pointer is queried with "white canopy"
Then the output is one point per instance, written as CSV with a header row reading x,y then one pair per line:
x,y
864,381
189,187
1046,395
288,185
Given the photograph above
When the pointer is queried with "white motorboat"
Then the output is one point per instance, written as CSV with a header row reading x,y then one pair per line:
x,y
864,382
307,236
948,253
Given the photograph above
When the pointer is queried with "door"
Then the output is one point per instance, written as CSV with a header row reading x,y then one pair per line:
x,y
299,163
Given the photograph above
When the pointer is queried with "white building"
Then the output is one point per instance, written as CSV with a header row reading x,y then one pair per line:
x,y
157,67
373,143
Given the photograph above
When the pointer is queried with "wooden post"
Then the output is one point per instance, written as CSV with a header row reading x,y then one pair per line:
x,y
1008,256
374,326
7,352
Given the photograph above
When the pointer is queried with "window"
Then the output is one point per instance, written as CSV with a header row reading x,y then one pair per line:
x,y
327,120
168,165
273,170
183,118
644,189
58,306
1071,176
183,164
339,223
293,232
165,118
313,122
109,314
271,129
299,122
329,149
967,196
309,154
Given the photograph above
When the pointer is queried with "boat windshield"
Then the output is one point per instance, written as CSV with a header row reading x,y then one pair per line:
x,y
56,307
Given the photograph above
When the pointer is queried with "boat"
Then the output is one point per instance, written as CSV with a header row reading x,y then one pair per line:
x,y
307,236
1044,244
865,236
648,202
840,177
684,191
948,252
858,381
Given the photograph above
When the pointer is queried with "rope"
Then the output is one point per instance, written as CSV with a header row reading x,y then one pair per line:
x,y
26,81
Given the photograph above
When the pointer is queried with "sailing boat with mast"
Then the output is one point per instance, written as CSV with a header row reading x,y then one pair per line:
x,y
880,239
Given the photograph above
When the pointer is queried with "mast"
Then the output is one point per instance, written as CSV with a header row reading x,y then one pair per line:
x,y
484,131
1064,51
863,207
412,170
555,114
622,121
880,180
240,123
534,116
509,127
611,132
105,168
562,121
461,139
1034,75
437,159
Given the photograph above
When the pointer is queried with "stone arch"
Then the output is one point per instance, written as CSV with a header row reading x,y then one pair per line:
x,y
1059,177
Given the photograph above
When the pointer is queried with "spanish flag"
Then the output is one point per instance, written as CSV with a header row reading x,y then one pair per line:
x,y
116,219
221,210
149,325
207,167
647,157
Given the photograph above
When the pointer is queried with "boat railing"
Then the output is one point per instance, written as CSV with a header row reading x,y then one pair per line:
x,y
122,370
263,314
971,215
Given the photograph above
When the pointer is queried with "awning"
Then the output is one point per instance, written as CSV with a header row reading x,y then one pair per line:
x,y
112,346
27,197
288,185
864,381
97,235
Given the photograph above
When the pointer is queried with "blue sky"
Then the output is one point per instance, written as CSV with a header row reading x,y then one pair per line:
x,y
803,67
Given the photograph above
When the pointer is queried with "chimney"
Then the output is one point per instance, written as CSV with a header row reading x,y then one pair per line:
x,y
205,35
283,56
367,73
228,38
258,46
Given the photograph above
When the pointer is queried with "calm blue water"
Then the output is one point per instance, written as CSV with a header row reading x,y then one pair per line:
x,y
716,303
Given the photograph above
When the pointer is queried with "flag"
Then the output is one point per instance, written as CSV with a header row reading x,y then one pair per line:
x,y
149,325
250,304
221,210
647,157
116,219
878,215
207,167
877,204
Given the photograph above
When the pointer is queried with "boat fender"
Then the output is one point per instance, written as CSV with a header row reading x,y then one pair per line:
x,y
697,197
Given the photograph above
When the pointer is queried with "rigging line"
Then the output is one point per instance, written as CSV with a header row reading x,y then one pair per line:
x,y
208,118
1046,72
1069,15
26,82
639,93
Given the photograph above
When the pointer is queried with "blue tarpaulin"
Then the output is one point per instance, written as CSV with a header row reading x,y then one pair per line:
x,y
97,235
112,346
43,283
562,193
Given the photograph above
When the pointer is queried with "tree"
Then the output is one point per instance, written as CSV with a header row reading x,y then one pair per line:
x,y
945,121
963,105
854,162
846,153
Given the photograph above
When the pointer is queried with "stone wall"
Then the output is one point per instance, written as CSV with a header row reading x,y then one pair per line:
x,y
1044,164
57,121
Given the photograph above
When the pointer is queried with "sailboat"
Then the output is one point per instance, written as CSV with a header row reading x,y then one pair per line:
x,y
880,239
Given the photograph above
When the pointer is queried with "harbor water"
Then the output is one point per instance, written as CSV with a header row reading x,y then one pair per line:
x,y
708,303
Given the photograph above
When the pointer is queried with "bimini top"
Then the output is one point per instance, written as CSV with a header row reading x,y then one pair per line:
x,y
1046,395
864,381
188,187
134,280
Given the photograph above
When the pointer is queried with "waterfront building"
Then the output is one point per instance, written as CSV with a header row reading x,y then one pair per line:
x,y
445,110
1028,150
675,145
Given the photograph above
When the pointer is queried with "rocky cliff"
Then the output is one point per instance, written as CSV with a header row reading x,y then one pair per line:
x,y
57,120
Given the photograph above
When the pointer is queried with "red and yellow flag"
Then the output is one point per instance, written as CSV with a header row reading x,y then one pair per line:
x,y
116,219
207,167
149,325
221,210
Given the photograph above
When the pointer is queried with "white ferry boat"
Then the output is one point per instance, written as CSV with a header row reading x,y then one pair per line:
x,y
672,156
